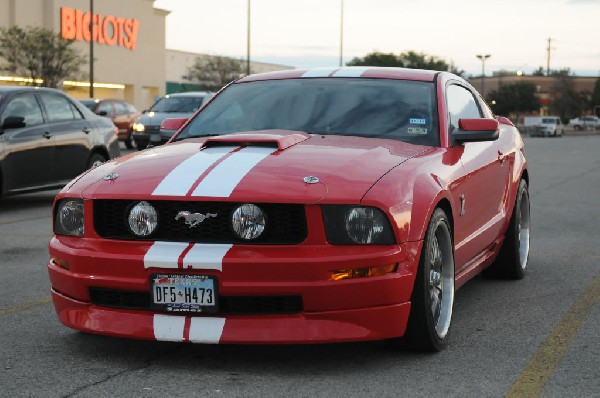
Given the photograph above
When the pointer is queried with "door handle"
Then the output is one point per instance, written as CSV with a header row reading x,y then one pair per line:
x,y
47,135
86,130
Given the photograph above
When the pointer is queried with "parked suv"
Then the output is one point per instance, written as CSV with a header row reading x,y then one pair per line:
x,y
544,126
582,122
122,113
146,130
47,138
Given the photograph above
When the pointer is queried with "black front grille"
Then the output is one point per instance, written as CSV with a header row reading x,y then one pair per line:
x,y
228,305
151,129
286,224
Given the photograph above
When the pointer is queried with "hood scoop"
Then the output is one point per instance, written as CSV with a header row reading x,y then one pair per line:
x,y
280,139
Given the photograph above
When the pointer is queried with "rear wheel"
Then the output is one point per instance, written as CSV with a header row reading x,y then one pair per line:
x,y
514,254
433,294
96,160
128,143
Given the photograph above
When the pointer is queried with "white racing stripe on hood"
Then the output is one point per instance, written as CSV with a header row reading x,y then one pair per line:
x,y
206,330
223,179
206,256
164,254
179,181
168,327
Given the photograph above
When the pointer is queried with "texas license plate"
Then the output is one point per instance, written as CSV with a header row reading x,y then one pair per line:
x,y
183,293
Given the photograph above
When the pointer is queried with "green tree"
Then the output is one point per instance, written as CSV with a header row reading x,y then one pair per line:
x,y
566,101
407,59
39,53
596,97
539,72
215,71
514,98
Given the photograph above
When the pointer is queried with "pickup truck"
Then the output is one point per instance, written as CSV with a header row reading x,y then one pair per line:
x,y
582,122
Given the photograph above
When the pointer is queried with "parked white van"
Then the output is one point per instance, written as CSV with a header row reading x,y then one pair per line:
x,y
544,126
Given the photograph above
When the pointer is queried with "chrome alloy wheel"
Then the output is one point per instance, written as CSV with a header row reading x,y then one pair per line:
x,y
523,229
441,280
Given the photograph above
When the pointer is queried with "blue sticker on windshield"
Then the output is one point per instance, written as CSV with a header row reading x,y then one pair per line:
x,y
417,121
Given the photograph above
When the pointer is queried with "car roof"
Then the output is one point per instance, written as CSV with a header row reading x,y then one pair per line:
x,y
352,71
12,89
189,94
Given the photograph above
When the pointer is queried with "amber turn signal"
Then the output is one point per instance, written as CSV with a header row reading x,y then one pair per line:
x,y
60,263
362,272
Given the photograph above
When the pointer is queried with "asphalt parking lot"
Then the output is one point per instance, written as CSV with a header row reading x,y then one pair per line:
x,y
538,336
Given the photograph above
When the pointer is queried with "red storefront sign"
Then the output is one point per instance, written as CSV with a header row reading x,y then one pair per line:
x,y
107,29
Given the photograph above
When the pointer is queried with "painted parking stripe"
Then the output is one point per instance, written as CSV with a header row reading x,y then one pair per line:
x,y
168,327
223,179
350,72
179,181
206,256
164,254
206,330
321,72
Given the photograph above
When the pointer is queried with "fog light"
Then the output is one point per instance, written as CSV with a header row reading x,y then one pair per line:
x,y
61,263
143,219
354,273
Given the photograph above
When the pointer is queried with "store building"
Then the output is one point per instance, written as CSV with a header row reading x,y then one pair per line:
x,y
130,59
129,43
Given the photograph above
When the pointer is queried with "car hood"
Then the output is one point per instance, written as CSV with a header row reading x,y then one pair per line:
x,y
155,118
263,167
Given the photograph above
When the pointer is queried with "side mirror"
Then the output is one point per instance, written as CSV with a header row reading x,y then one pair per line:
x,y
13,122
173,124
476,130
102,113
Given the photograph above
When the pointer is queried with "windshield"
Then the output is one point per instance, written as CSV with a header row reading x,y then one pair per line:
x,y
549,121
177,104
90,104
384,108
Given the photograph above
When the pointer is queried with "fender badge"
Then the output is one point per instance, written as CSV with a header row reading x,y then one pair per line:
x,y
110,177
311,180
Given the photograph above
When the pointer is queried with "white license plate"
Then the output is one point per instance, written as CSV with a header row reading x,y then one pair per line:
x,y
183,293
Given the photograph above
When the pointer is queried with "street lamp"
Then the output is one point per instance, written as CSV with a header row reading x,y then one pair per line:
x,y
248,43
342,34
483,58
92,48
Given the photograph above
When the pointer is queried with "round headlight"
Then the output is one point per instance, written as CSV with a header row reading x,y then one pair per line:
x,y
143,219
70,217
248,221
364,224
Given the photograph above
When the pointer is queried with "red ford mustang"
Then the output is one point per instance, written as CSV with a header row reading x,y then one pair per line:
x,y
314,206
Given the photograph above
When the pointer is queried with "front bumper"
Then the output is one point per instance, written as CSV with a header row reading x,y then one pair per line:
x,y
332,311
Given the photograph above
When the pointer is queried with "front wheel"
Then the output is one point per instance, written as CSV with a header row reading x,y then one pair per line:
x,y
433,294
96,160
514,254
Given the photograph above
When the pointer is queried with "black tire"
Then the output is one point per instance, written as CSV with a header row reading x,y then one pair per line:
x,y
128,143
514,254
578,128
96,160
140,146
428,323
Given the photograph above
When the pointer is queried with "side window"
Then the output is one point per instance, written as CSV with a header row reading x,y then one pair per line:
x,y
76,112
24,105
131,108
461,105
58,108
105,107
120,108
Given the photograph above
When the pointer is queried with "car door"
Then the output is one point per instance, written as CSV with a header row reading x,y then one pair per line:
x,y
28,152
72,135
481,192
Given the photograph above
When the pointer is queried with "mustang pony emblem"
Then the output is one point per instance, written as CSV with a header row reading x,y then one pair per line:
x,y
193,219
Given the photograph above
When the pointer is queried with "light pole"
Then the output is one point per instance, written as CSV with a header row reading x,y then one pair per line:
x,y
342,34
91,48
483,58
248,43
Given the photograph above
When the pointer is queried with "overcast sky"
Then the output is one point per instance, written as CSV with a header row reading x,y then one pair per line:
x,y
306,33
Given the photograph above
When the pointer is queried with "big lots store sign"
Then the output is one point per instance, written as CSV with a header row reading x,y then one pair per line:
x,y
106,29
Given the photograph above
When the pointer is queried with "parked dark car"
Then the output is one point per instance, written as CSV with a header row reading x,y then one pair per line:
x,y
146,130
122,113
47,138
